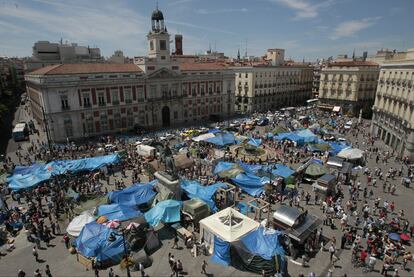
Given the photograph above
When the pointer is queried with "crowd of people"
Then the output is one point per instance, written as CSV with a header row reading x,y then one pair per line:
x,y
362,219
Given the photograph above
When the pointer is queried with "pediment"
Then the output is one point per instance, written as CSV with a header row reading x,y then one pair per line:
x,y
163,73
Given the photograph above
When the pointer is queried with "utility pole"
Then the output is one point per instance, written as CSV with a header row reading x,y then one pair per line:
x,y
46,128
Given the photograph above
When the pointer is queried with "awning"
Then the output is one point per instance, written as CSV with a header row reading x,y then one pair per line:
x,y
336,109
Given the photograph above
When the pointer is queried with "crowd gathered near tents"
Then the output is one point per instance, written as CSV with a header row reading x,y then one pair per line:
x,y
236,194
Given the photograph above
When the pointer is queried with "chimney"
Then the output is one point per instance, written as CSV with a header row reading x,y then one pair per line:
x,y
178,44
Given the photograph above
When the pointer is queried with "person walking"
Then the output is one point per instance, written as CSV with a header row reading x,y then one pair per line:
x,y
47,271
37,273
35,253
141,269
111,273
204,267
175,245
21,273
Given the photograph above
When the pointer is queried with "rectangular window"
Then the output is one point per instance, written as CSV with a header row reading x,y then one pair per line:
x,y
163,45
101,98
115,96
64,102
175,115
104,121
140,94
128,95
153,91
86,100
184,89
117,119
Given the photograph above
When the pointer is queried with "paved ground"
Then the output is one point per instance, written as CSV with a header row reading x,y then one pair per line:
x,y
64,264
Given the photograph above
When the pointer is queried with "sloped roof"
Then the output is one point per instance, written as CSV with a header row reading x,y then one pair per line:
x,y
86,68
202,66
353,63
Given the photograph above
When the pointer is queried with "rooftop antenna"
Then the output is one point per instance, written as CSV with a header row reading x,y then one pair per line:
x,y
156,5
214,46
245,53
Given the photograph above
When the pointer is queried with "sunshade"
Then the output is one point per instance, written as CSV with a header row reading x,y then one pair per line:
x,y
405,237
75,226
394,236
315,169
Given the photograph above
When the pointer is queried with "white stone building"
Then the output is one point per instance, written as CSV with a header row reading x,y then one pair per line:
x,y
91,99
350,85
393,111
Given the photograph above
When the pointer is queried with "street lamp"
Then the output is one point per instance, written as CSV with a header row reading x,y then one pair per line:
x,y
112,238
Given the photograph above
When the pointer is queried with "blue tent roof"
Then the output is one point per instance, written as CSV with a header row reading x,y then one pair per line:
x,y
117,211
282,171
255,142
337,147
26,177
264,243
93,242
195,190
223,166
250,183
307,135
214,130
250,168
136,194
165,211
222,139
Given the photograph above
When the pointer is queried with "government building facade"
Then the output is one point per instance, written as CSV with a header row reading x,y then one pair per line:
x,y
90,99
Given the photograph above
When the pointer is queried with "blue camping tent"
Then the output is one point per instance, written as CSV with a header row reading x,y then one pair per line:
x,y
250,183
135,195
195,190
93,241
264,243
117,211
26,177
165,211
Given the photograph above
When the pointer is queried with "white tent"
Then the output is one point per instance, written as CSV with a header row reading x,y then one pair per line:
x,y
76,225
228,224
351,154
204,137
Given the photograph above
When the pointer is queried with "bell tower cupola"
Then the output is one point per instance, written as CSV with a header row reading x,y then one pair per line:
x,y
158,38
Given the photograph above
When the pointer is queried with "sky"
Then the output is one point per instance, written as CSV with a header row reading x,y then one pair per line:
x,y
308,29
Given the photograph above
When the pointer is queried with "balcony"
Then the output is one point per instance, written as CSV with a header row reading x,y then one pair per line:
x,y
87,105
115,102
65,108
101,104
128,101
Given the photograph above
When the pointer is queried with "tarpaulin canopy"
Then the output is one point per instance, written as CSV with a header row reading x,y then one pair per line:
x,y
195,190
227,170
337,147
221,252
307,135
26,177
250,168
315,169
250,183
351,154
255,142
93,241
117,211
282,170
203,137
222,139
76,225
264,243
134,195
165,211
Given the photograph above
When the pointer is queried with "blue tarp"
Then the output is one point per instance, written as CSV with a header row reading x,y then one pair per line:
x,y
26,177
337,147
135,195
214,131
250,168
223,166
93,242
117,211
282,171
221,253
255,142
195,190
264,243
222,139
166,211
250,183
307,135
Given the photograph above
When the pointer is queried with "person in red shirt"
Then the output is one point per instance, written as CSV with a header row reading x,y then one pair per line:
x,y
392,206
363,256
